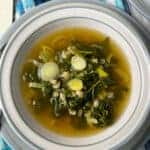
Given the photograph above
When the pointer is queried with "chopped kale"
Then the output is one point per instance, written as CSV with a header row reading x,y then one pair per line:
x,y
47,89
85,86
74,103
31,74
103,113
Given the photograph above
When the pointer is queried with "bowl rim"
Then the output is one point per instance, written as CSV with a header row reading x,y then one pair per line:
x,y
16,71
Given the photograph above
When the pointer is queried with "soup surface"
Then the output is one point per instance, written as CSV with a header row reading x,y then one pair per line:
x,y
75,82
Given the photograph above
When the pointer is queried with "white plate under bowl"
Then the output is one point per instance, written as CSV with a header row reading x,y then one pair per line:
x,y
46,19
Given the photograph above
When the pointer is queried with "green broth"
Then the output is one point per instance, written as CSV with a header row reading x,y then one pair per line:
x,y
58,41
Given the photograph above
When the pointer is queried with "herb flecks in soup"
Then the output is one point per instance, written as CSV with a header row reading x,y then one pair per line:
x,y
76,82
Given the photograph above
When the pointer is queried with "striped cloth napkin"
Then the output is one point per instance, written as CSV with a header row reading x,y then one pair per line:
x,y
22,6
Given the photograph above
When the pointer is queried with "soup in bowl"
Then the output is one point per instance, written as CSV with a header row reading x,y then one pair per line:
x,y
77,79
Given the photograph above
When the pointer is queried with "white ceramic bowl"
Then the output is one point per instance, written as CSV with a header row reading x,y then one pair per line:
x,y
47,19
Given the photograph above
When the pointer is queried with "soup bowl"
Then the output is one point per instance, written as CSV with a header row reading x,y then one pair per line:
x,y
47,19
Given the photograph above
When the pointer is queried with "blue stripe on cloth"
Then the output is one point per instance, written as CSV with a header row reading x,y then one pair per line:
x,y
4,145
23,5
19,8
37,2
119,4
28,4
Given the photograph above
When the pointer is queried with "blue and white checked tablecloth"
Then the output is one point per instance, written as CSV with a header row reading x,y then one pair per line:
x,y
23,6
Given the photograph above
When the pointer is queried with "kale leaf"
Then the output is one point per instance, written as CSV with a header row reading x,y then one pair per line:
x,y
103,113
